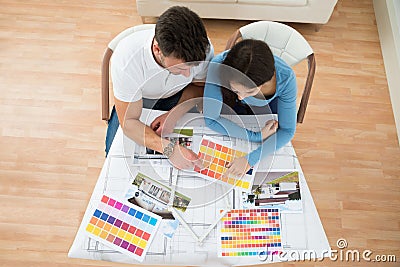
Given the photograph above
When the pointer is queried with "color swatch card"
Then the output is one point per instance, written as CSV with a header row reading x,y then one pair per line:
x,y
216,156
250,232
126,228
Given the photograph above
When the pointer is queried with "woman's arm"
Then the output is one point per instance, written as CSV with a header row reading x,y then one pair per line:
x,y
286,108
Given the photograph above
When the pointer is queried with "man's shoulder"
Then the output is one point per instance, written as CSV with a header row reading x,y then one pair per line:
x,y
133,45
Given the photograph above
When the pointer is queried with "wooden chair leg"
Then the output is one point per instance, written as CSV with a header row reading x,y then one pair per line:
x,y
105,86
149,20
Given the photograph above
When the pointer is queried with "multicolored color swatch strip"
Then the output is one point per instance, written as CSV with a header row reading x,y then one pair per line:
x,y
124,227
250,232
216,156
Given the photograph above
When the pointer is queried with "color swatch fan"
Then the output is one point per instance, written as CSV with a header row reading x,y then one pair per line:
x,y
216,156
250,232
128,229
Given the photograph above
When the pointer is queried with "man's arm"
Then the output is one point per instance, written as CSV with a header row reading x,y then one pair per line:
x,y
166,122
128,116
192,90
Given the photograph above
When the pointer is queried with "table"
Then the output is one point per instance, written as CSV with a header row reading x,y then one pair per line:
x,y
302,233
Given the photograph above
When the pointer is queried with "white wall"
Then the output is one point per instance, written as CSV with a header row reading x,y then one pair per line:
x,y
387,13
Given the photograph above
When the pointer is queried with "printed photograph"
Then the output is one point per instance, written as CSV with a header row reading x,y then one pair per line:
x,y
278,189
155,196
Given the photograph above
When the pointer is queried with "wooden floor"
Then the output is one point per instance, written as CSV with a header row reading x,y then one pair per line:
x,y
52,138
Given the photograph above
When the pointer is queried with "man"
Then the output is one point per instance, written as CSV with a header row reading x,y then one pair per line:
x,y
159,66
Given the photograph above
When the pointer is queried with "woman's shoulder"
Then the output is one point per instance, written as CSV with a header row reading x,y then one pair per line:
x,y
220,57
283,70
282,66
285,80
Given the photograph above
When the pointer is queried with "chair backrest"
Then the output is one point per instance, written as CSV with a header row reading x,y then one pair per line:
x,y
285,42
105,70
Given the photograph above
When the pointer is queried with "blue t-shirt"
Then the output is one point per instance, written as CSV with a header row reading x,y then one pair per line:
x,y
286,92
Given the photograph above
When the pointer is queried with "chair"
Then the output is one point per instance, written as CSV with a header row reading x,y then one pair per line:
x,y
285,42
105,70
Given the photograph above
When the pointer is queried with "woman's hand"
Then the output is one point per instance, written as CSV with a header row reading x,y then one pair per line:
x,y
238,167
269,129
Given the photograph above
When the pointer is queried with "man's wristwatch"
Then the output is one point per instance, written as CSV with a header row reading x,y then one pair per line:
x,y
169,149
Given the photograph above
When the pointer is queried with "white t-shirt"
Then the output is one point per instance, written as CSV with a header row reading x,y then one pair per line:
x,y
135,73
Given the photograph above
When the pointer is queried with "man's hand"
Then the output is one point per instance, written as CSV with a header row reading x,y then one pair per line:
x,y
162,125
238,167
183,158
269,129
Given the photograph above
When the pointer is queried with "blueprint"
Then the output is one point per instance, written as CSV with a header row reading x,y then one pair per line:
x,y
196,243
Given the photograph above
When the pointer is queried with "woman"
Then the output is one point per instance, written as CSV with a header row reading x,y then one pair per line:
x,y
268,81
